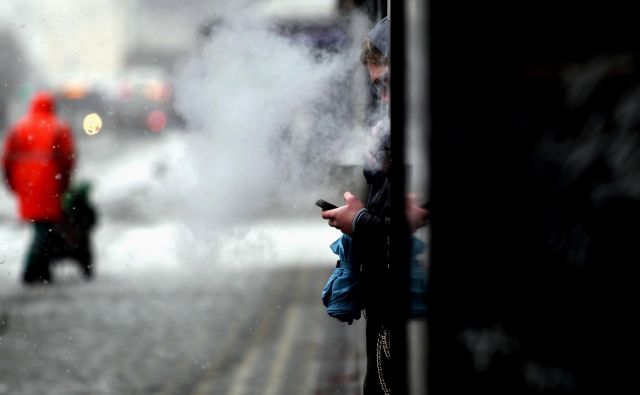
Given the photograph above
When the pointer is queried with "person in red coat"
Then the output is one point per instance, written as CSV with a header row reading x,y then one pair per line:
x,y
38,159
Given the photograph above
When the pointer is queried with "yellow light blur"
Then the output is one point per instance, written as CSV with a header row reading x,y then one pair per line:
x,y
92,124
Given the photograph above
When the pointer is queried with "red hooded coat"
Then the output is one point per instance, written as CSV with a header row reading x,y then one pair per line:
x,y
38,159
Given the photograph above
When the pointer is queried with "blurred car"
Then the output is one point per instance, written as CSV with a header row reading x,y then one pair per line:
x,y
142,100
78,97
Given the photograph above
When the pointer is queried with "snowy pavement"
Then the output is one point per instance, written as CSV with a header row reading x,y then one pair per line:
x,y
219,332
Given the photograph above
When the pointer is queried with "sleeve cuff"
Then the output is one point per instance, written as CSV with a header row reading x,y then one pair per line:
x,y
356,217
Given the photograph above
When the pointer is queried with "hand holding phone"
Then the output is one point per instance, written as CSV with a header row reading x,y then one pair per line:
x,y
324,205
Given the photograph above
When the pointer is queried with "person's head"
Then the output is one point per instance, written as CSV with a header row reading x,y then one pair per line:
x,y
375,55
76,195
43,102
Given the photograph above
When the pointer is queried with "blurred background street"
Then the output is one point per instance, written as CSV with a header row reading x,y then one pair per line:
x,y
205,161
166,314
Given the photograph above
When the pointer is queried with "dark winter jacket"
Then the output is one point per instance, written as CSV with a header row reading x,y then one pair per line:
x,y
371,244
80,216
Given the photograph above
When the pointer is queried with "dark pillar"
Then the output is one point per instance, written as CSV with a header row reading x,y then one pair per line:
x,y
399,239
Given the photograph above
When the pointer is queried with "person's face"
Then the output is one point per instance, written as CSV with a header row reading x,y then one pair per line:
x,y
380,78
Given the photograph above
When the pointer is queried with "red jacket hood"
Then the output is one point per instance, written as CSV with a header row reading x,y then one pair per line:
x,y
42,103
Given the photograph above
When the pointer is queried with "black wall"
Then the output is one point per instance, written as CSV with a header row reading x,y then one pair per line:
x,y
535,189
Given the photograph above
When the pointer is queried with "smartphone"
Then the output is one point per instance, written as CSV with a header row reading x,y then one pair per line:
x,y
324,205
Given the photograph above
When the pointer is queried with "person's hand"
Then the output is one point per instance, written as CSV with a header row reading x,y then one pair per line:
x,y
416,215
341,218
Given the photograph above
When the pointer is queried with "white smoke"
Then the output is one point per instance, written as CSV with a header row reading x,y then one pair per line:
x,y
272,116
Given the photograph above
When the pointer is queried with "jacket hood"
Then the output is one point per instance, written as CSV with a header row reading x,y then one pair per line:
x,y
379,36
42,103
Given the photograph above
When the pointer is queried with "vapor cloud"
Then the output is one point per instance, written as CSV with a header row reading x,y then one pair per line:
x,y
271,116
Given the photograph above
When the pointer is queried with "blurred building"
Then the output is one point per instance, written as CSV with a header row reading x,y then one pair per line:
x,y
101,37
81,39
14,69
